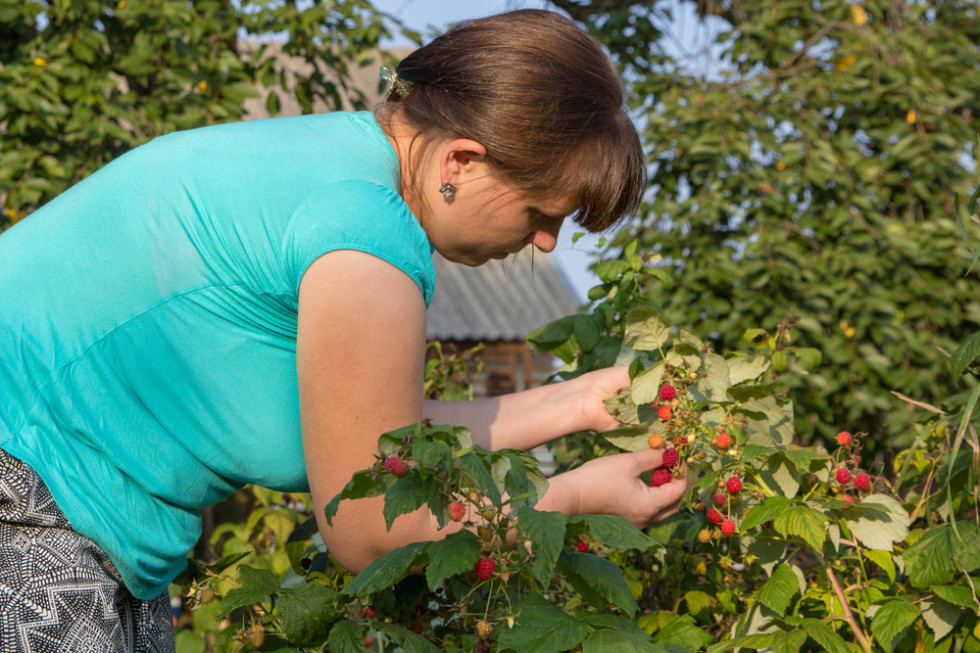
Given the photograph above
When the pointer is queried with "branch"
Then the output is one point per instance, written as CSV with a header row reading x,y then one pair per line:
x,y
847,611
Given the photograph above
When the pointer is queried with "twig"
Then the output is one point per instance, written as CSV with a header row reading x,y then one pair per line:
x,y
862,639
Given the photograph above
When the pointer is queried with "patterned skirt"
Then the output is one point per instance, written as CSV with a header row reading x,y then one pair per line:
x,y
58,590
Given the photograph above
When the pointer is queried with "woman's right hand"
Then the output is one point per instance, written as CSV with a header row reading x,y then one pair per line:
x,y
611,485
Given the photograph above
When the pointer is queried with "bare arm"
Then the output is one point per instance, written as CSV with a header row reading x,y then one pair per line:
x,y
360,361
526,419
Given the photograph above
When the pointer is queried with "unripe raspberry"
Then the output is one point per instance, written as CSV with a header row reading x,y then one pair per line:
x,y
206,596
862,480
844,438
723,441
719,498
582,546
483,628
667,392
661,476
714,515
728,528
256,637
704,535
395,466
457,511
665,413
671,458
843,476
655,441
734,484
485,568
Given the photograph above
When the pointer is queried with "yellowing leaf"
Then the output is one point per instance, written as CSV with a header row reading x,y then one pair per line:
x,y
859,15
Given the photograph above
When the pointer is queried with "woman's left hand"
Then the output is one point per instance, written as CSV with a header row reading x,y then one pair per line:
x,y
592,389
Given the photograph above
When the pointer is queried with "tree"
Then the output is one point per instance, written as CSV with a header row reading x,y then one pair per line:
x,y
815,172
83,82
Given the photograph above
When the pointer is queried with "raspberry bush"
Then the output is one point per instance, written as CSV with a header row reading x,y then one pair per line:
x,y
778,547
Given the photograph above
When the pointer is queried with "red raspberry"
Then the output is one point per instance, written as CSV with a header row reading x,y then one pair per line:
x,y
661,476
671,458
582,546
665,413
368,641
862,480
680,441
723,441
843,476
417,627
395,466
734,484
848,498
667,392
457,511
480,648
844,438
719,498
485,568
728,527
714,515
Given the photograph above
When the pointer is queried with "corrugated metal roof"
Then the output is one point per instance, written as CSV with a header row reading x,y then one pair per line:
x,y
501,300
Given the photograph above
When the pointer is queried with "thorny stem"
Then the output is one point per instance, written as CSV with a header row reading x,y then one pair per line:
x,y
862,639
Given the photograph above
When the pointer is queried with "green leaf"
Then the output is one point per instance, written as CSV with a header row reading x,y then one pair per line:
x,y
877,521
628,438
346,637
811,357
647,384
474,465
612,641
930,560
547,533
780,473
306,612
541,628
646,329
431,456
777,593
965,354
362,484
406,495
552,335
697,601
455,554
824,635
805,522
683,631
587,332
408,641
716,382
595,575
891,621
610,270
616,531
940,616
742,368
788,641
884,560
386,570
256,586
960,595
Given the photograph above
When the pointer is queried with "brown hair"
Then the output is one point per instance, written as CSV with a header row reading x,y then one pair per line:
x,y
542,97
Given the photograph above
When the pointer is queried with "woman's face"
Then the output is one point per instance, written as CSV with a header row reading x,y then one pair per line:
x,y
487,218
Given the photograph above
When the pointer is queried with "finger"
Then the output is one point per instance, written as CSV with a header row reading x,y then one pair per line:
x,y
644,461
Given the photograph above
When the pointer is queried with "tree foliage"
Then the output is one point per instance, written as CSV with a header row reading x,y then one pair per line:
x,y
83,81
813,168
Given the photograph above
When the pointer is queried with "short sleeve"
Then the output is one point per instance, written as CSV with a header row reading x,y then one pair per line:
x,y
362,216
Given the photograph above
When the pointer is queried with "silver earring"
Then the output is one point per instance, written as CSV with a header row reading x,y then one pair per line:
x,y
448,191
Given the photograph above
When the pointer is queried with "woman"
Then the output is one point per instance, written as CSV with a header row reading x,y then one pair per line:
x,y
246,304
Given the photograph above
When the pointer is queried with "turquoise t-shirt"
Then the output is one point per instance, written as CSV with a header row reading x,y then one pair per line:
x,y
148,321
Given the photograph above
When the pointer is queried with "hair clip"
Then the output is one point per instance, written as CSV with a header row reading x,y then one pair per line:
x,y
401,87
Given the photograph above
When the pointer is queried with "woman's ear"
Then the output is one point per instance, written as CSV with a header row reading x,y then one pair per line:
x,y
462,159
